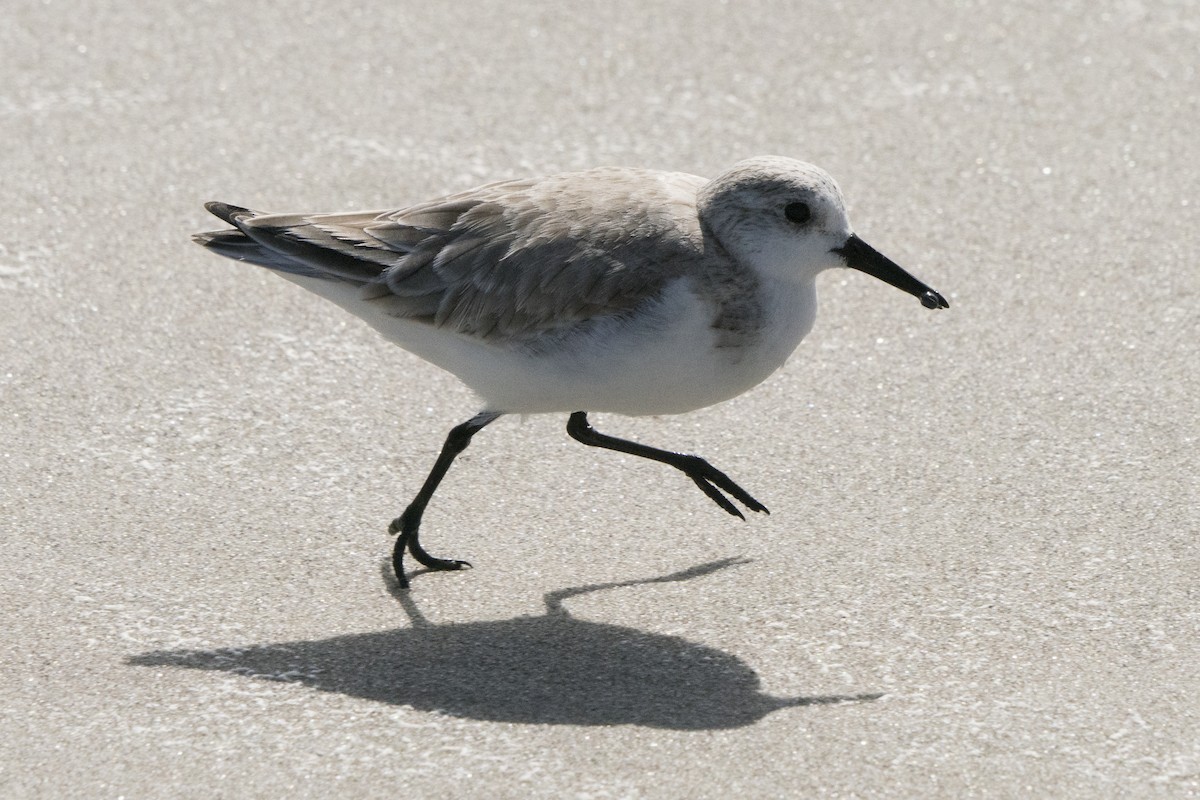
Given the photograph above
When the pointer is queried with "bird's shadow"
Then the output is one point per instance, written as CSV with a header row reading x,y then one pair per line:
x,y
548,669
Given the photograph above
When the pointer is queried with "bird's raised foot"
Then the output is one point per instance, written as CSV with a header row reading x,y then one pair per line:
x,y
712,481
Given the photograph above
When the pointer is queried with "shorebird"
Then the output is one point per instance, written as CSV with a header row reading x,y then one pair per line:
x,y
622,290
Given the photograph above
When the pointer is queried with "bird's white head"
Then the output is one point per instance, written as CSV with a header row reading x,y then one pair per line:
x,y
786,220
781,216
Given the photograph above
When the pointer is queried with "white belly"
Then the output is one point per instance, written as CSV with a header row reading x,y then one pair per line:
x,y
663,361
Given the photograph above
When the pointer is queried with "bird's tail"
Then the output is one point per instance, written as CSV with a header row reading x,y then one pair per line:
x,y
239,245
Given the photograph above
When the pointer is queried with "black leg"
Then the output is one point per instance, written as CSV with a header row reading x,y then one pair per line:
x,y
408,522
710,479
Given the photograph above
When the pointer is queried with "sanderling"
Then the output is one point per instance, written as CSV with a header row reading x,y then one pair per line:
x,y
631,291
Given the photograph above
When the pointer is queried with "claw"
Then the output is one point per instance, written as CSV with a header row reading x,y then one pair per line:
x,y
710,480
715,495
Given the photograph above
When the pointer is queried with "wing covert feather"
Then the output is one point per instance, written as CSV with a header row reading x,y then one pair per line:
x,y
544,255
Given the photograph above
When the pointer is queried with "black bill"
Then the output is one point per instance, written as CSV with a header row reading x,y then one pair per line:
x,y
861,256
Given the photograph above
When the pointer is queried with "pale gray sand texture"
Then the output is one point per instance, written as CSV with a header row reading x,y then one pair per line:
x,y
980,574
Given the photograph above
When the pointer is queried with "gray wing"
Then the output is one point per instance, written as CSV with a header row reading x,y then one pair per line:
x,y
504,261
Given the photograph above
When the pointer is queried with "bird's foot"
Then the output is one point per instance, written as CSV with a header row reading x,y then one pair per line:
x,y
712,481
440,564
408,541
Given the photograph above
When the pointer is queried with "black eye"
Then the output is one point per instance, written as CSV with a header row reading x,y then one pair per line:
x,y
798,213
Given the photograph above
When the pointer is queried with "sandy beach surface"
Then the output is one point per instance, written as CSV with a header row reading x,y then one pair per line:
x,y
981,573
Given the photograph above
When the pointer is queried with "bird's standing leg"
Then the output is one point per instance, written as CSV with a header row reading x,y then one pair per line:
x,y
710,479
408,522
